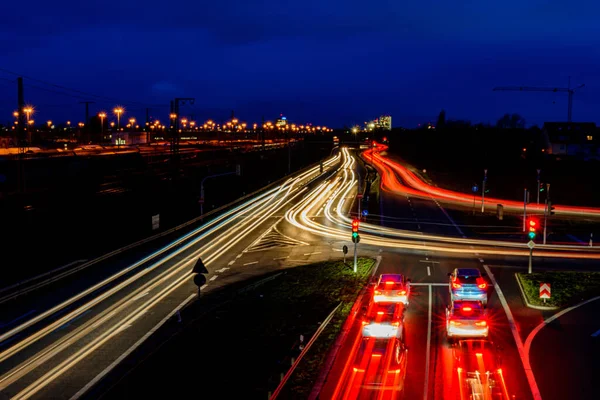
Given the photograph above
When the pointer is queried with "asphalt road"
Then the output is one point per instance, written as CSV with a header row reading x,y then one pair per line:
x,y
64,352
61,351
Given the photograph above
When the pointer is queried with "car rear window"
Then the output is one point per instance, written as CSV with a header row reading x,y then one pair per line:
x,y
468,279
467,310
390,285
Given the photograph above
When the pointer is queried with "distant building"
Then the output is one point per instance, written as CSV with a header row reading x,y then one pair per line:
x,y
384,122
281,121
576,139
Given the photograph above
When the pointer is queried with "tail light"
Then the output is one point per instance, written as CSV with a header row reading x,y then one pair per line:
x,y
402,292
379,312
481,283
481,323
467,309
456,284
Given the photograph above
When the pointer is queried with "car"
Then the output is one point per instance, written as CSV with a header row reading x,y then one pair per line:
x,y
478,366
468,284
379,366
466,318
392,288
383,320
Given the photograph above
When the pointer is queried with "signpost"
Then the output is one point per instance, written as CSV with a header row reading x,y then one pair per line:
x,y
545,292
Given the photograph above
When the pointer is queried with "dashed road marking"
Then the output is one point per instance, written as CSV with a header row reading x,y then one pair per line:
x,y
428,271
281,258
250,263
231,263
316,252
429,261
238,256
481,260
213,278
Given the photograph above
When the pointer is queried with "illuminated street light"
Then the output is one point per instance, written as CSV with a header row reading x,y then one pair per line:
x,y
81,124
102,115
28,110
49,123
132,122
118,111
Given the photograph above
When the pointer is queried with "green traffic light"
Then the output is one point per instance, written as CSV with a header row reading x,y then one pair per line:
x,y
531,235
354,234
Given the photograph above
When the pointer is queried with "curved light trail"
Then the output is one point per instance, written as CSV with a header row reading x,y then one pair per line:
x,y
415,186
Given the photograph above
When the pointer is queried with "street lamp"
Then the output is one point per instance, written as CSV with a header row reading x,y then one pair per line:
x,y
49,124
28,110
173,117
118,111
132,122
102,115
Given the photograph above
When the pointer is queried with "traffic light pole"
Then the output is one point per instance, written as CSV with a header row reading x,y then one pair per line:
x,y
355,266
530,260
525,210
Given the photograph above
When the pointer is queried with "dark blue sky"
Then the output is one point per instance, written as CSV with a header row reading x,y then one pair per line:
x,y
331,62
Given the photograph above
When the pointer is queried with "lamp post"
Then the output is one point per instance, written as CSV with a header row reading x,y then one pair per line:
x,y
132,122
102,115
118,111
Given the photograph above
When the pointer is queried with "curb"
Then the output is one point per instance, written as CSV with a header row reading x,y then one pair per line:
x,y
527,303
332,354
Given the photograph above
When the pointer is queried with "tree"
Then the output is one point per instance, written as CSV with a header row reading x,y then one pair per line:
x,y
441,121
511,121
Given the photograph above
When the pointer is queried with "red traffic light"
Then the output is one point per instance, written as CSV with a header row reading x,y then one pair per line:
x,y
532,224
355,222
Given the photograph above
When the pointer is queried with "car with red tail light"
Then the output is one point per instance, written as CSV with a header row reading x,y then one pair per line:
x,y
468,284
392,288
466,319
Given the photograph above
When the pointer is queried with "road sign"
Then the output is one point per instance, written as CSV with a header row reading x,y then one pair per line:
x,y
530,244
199,267
359,196
155,222
345,249
545,291
365,212
475,188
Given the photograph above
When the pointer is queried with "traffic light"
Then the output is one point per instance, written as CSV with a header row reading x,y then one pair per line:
x,y
532,229
355,223
550,208
542,187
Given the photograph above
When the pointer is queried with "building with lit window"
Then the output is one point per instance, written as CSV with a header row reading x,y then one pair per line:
x,y
382,123
281,121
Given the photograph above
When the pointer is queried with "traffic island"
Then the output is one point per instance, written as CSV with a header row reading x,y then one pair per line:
x,y
241,344
566,288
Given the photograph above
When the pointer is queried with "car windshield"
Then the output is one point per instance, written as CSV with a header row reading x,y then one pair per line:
x,y
468,279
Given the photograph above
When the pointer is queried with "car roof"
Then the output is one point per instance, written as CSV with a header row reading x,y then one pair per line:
x,y
468,272
379,344
388,310
391,277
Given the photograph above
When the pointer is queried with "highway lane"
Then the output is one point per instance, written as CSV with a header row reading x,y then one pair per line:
x,y
564,355
44,362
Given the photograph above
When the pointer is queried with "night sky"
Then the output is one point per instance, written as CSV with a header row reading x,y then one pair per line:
x,y
329,62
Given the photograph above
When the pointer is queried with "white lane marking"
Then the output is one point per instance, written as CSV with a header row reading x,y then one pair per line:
x,y
250,263
222,270
596,334
203,286
139,296
419,226
238,256
481,260
336,249
428,284
535,391
429,261
213,278
316,252
132,348
538,328
281,258
428,271
231,263
428,351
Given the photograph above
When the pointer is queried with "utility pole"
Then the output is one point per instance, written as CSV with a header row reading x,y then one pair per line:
x,y
546,209
483,190
87,114
21,134
524,210
538,185
175,110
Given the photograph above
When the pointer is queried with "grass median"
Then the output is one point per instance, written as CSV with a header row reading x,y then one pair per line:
x,y
567,287
241,347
